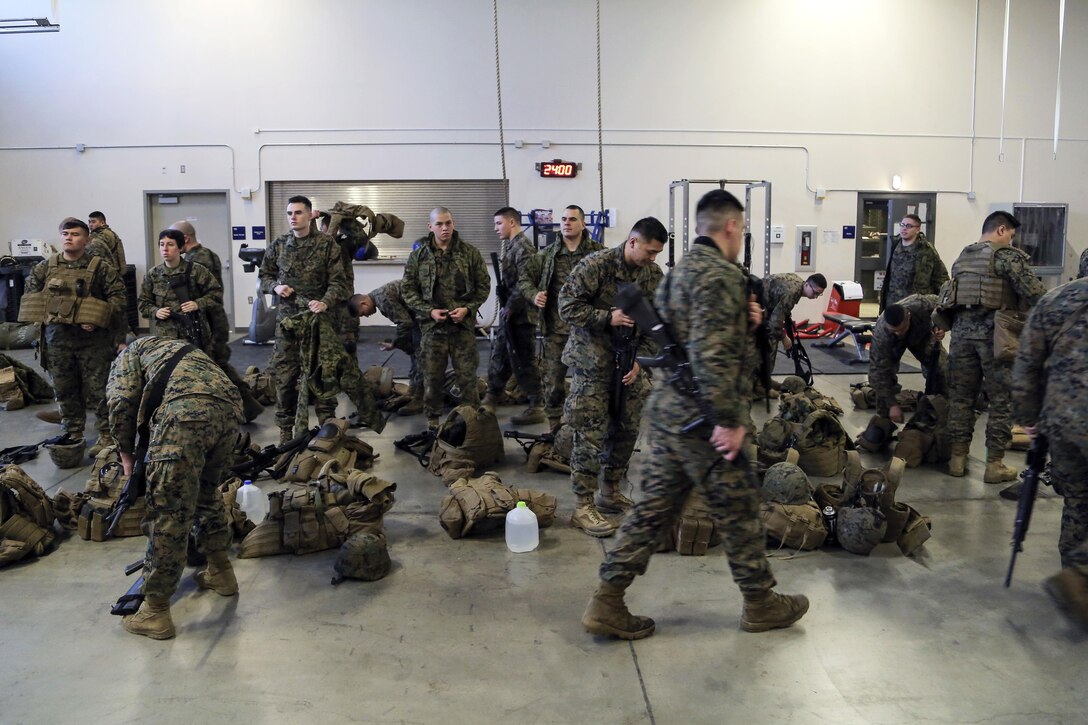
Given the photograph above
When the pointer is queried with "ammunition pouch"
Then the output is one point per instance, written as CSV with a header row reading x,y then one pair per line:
x,y
696,529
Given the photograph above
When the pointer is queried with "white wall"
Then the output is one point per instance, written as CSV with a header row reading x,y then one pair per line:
x,y
836,95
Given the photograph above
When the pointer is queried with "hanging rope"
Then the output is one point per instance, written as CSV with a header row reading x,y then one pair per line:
x,y
498,94
1058,95
1004,82
600,141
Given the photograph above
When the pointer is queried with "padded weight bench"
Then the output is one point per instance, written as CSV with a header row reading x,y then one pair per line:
x,y
860,331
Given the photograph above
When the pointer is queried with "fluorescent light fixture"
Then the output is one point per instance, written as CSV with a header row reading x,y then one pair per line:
x,y
897,182
14,26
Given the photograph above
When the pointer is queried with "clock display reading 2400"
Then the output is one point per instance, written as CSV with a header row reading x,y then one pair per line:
x,y
558,169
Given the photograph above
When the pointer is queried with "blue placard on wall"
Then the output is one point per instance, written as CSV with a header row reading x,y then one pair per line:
x,y
258,234
848,232
238,234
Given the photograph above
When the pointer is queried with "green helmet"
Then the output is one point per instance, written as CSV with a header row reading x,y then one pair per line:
x,y
793,384
787,484
363,556
860,528
68,455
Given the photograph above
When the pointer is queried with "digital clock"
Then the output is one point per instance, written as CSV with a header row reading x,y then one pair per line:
x,y
558,169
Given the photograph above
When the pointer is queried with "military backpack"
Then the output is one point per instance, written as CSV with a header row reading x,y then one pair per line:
x,y
26,517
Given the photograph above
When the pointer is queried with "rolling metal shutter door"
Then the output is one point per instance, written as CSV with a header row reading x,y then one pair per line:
x,y
472,202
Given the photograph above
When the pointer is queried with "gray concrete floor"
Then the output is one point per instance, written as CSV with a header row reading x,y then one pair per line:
x,y
466,632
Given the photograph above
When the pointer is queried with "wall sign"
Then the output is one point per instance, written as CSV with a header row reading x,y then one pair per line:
x,y
238,234
258,234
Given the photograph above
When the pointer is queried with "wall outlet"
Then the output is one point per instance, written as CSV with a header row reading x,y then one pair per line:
x,y
249,300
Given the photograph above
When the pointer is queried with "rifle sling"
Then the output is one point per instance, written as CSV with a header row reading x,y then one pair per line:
x,y
154,398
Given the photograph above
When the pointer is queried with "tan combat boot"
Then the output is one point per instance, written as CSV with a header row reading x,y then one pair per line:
x,y
413,407
606,614
151,620
49,416
957,464
610,501
532,414
771,610
219,576
587,518
1069,590
104,440
996,470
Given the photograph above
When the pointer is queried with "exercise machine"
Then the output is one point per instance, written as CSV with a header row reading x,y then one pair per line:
x,y
262,321
750,185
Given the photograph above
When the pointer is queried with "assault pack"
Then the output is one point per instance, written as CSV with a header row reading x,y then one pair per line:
x,y
26,517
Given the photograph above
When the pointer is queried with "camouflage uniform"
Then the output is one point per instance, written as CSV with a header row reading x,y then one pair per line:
x,y
781,293
546,271
78,361
912,269
1082,270
156,293
705,301
514,349
602,443
191,437
971,354
390,302
106,244
216,314
312,266
1049,390
436,279
887,350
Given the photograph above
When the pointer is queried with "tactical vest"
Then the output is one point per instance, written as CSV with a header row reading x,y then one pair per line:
x,y
480,505
26,517
974,283
468,439
66,298
332,443
100,497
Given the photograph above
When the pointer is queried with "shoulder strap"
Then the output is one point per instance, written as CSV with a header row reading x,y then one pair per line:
x,y
155,392
93,265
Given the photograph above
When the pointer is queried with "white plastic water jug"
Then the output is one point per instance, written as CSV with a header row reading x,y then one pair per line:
x,y
522,532
252,501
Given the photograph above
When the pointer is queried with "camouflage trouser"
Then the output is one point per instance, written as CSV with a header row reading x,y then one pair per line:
x,y
514,352
676,464
554,374
415,375
602,444
443,343
286,367
970,366
1069,461
189,450
79,379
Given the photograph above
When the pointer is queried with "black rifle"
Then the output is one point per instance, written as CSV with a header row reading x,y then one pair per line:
x,y
526,440
673,358
22,454
192,323
624,352
763,339
130,601
268,457
802,366
933,370
135,488
1036,460
424,442
748,252
502,292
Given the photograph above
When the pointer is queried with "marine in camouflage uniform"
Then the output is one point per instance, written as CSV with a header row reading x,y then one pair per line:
x,y
78,359
543,277
1082,270
306,267
192,434
445,276
704,301
389,300
914,266
604,436
781,293
887,350
157,293
106,244
514,348
218,347
991,261
1049,393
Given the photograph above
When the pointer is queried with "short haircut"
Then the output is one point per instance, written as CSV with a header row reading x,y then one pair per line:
x,y
305,200
714,209
355,302
914,217
509,212
580,210
72,223
185,228
174,234
894,315
438,211
817,280
997,219
649,229
97,215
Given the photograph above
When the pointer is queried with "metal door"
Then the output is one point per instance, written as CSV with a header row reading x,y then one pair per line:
x,y
209,213
879,214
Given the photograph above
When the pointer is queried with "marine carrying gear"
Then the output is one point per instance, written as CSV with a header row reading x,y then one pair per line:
x,y
26,517
66,297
